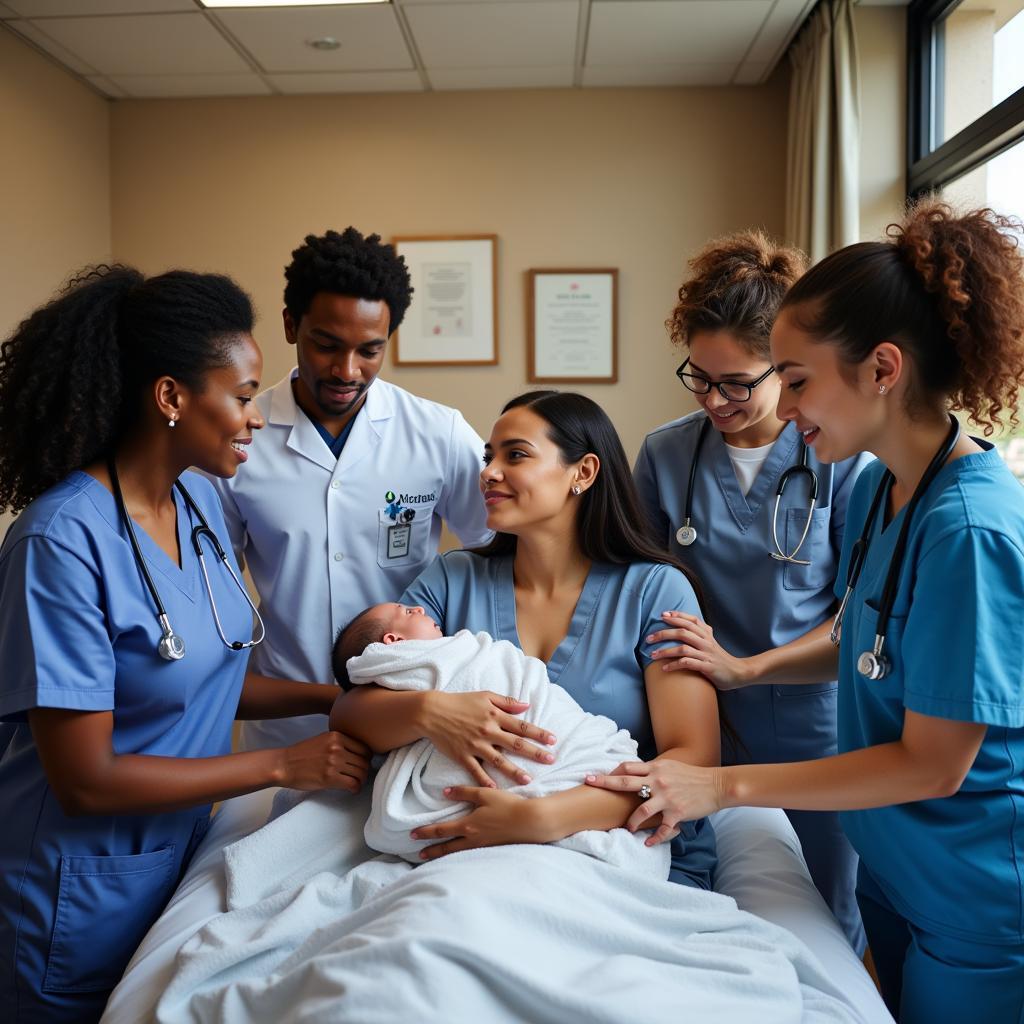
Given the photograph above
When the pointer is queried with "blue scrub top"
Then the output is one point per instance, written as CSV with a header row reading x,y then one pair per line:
x,y
755,602
78,630
954,865
600,661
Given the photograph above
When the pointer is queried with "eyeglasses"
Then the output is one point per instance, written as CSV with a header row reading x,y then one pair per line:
x,y
730,390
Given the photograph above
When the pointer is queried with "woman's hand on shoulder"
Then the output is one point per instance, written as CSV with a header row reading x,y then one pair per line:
x,y
496,818
330,760
476,729
678,792
699,651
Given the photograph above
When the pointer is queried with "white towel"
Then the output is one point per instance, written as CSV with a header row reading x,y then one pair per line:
x,y
409,790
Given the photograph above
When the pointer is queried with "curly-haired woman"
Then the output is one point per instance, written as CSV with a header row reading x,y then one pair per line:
x,y
710,484
124,658
875,346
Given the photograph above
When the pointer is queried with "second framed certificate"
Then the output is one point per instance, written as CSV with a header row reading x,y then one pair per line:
x,y
571,321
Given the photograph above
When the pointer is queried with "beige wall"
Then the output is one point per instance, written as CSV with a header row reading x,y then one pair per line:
x,y
54,178
631,178
881,45
54,181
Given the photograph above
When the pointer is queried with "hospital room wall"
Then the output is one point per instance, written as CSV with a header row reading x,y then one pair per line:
x,y
54,180
628,178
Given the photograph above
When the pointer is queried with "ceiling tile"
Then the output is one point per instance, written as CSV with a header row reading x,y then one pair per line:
x,y
501,78
57,8
468,35
36,35
352,81
640,32
659,74
753,72
779,27
148,86
148,44
370,38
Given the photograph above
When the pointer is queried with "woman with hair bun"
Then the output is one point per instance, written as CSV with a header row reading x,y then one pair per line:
x,y
875,347
710,484
124,655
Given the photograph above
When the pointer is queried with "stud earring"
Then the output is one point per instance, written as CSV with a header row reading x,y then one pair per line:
x,y
576,489
881,389
173,421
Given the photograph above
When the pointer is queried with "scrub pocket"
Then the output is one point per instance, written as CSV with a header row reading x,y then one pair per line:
x,y
105,906
404,540
821,573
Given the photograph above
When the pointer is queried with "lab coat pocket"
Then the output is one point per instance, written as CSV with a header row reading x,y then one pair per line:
x,y
816,549
404,540
105,906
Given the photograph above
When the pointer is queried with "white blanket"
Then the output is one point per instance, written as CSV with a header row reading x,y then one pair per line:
x,y
409,790
509,934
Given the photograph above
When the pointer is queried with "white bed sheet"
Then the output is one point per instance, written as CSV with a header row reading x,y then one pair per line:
x,y
760,866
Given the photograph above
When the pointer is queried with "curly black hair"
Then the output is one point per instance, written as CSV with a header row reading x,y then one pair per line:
x,y
72,374
347,264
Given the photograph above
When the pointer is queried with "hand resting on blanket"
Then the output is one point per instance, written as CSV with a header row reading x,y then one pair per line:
x,y
420,788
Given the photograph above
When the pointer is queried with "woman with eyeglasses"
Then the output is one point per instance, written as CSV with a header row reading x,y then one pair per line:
x,y
115,729
877,346
734,493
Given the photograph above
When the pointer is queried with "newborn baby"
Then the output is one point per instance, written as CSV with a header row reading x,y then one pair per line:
x,y
401,648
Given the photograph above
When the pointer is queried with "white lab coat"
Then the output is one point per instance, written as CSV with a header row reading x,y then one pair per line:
x,y
314,532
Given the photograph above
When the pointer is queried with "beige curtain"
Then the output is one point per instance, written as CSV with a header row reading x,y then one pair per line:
x,y
823,154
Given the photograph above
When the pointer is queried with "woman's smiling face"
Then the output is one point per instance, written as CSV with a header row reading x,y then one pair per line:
x,y
719,356
828,401
524,481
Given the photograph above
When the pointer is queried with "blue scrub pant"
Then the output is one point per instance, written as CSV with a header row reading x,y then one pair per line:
x,y
934,979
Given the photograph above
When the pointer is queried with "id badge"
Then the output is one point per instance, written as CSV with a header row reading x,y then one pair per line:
x,y
398,540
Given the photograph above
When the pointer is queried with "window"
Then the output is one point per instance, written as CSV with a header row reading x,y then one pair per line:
x,y
966,87
966,116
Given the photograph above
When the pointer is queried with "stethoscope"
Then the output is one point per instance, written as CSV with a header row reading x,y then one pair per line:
x,y
874,664
171,646
687,534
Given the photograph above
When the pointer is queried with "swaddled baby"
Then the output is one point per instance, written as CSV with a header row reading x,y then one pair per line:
x,y
402,648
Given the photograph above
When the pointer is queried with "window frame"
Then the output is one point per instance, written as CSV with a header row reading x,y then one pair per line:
x,y
989,135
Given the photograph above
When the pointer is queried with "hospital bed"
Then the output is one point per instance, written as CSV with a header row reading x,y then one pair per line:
x,y
760,866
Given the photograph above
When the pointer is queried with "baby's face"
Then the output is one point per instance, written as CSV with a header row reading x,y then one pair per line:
x,y
408,622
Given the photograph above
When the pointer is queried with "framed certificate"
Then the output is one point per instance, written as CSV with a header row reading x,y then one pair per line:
x,y
453,317
571,322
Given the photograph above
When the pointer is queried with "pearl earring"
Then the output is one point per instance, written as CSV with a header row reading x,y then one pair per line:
x,y
173,421
576,489
881,389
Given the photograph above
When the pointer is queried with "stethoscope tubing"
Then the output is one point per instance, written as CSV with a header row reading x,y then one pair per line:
x,y
687,534
171,647
874,664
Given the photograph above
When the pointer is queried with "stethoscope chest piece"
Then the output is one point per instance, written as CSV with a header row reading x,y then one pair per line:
x,y
873,666
686,535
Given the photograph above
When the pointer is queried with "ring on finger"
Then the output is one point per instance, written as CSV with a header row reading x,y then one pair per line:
x,y
644,792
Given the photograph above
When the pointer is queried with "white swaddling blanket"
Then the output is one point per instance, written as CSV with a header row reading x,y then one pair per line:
x,y
409,789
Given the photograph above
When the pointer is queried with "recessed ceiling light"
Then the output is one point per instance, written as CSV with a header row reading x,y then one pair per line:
x,y
326,43
286,3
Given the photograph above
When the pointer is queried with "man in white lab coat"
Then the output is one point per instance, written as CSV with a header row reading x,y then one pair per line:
x,y
339,502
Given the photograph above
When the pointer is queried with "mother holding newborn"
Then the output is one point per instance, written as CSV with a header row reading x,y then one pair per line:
x,y
570,579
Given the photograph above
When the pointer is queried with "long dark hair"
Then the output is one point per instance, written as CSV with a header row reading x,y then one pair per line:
x,y
611,525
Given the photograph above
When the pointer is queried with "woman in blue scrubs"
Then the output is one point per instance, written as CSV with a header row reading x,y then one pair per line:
x,y
874,347
571,580
742,450
111,753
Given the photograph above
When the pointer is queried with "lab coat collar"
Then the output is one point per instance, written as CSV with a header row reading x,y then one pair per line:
x,y
304,438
